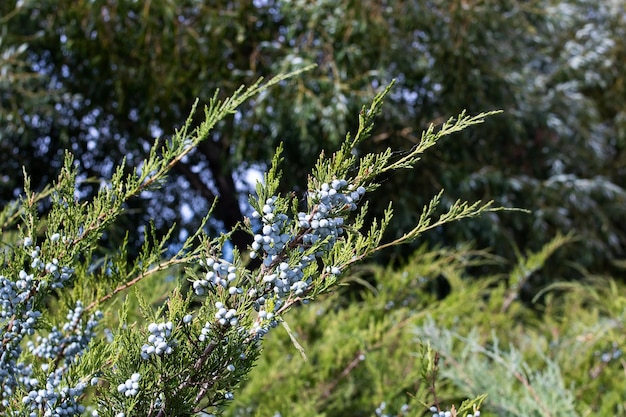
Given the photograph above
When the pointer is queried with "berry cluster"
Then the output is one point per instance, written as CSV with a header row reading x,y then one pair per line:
x,y
55,400
221,273
285,278
274,233
14,294
69,342
282,274
266,321
18,317
205,332
131,386
285,275
158,343
225,316
324,223
57,275
329,203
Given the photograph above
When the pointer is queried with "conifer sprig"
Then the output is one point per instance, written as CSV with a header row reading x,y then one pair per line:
x,y
188,355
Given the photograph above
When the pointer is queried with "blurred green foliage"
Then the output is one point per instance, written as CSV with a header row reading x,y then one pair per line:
x,y
566,360
103,78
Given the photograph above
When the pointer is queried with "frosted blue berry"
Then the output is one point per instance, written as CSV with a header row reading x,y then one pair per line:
x,y
131,386
225,316
158,340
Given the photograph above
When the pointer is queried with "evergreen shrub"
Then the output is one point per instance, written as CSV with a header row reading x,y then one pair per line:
x,y
88,330
389,344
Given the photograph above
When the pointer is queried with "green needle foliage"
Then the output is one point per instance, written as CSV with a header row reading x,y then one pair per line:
x,y
397,348
77,338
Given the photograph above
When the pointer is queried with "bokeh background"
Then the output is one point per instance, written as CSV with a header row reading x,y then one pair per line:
x,y
104,78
